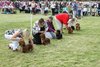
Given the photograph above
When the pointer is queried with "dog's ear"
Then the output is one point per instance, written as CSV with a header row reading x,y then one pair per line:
x,y
21,42
70,30
47,41
42,36
77,26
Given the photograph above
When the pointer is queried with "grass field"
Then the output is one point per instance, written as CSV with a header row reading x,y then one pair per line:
x,y
81,49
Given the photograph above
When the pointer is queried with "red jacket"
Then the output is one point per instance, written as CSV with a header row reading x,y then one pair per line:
x,y
63,18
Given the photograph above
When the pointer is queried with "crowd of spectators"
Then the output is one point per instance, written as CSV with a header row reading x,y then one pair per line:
x,y
44,7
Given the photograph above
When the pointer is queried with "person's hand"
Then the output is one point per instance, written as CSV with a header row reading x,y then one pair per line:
x,y
54,31
21,39
67,27
42,31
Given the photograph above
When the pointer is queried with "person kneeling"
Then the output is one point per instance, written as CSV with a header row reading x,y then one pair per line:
x,y
16,36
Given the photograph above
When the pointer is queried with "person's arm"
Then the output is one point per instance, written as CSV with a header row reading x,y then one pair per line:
x,y
36,28
66,26
69,23
50,27
14,37
46,26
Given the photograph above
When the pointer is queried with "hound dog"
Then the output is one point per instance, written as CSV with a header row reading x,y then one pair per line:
x,y
44,40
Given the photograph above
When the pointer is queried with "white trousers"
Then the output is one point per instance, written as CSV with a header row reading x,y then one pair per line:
x,y
59,25
14,44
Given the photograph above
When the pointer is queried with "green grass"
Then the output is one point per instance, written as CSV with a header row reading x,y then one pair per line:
x,y
81,49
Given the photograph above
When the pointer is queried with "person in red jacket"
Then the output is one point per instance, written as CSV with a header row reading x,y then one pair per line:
x,y
60,19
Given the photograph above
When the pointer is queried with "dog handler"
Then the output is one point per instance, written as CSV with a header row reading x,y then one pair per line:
x,y
60,19
13,37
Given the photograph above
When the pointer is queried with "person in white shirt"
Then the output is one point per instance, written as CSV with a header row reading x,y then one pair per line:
x,y
13,37
46,9
85,11
53,8
39,27
71,23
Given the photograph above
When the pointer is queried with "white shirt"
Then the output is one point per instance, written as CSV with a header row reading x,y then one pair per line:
x,y
36,27
84,9
14,43
71,23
